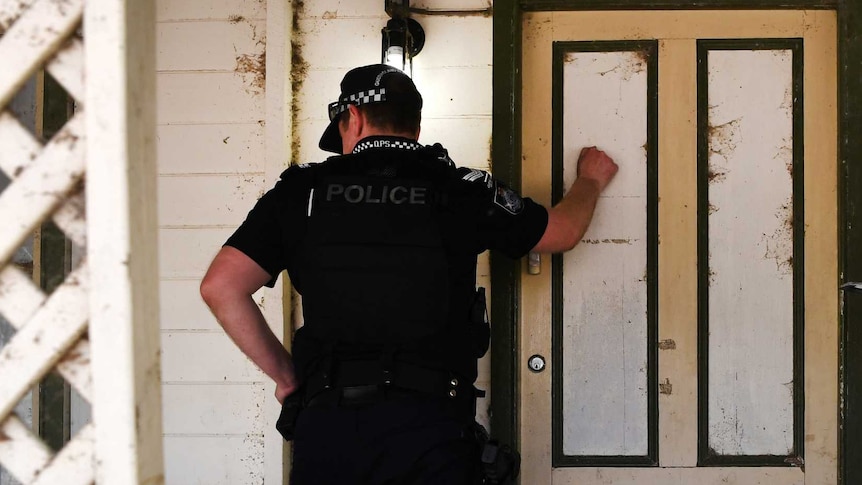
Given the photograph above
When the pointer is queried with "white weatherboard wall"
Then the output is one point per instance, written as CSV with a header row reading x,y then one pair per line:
x,y
222,142
219,409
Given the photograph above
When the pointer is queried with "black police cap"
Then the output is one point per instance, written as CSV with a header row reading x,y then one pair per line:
x,y
376,83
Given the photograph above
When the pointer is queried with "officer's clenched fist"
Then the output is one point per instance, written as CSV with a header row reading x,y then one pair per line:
x,y
596,165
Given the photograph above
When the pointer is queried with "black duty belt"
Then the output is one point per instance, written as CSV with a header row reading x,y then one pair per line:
x,y
350,383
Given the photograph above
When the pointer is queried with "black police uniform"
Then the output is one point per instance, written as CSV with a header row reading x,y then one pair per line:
x,y
382,245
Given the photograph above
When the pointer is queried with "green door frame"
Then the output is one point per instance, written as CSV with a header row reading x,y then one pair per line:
x,y
505,155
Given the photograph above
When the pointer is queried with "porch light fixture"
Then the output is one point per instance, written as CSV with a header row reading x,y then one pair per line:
x,y
403,37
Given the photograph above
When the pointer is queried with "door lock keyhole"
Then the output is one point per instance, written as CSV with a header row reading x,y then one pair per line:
x,y
536,363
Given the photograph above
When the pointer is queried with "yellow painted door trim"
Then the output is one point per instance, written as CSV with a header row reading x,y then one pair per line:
x,y
677,32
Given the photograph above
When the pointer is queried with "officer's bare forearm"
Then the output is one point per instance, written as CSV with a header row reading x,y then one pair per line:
x,y
569,219
242,320
227,289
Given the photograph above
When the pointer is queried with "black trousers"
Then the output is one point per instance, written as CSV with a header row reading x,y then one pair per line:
x,y
409,439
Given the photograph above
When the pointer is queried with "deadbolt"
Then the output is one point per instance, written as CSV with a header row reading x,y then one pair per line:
x,y
536,363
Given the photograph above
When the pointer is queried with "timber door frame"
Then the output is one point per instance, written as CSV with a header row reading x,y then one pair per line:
x,y
506,164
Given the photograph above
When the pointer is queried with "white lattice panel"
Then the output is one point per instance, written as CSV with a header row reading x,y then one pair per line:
x,y
46,183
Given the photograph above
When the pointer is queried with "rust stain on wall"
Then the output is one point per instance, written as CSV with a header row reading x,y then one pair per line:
x,y
298,72
254,66
667,344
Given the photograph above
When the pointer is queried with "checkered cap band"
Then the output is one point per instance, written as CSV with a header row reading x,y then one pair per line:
x,y
358,99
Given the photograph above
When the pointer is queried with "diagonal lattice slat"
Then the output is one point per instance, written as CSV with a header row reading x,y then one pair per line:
x,y
67,67
19,296
20,299
11,11
73,465
21,453
20,150
30,461
33,39
52,330
42,186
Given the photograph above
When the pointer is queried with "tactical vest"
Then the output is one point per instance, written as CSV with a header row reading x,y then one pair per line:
x,y
373,265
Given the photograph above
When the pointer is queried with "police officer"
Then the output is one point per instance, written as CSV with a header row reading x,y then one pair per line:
x,y
381,241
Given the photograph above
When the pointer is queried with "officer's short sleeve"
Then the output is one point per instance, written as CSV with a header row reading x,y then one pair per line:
x,y
506,221
264,236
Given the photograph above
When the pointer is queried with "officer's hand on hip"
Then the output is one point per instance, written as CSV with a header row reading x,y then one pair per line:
x,y
287,385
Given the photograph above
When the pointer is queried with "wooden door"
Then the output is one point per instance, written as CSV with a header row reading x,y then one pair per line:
x,y
692,336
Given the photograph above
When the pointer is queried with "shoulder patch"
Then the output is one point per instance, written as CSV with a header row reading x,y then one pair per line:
x,y
508,199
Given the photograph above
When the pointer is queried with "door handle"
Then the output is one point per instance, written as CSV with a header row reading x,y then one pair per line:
x,y
534,263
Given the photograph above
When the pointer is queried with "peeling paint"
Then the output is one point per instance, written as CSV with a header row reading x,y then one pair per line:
x,y
66,137
665,387
607,241
714,175
635,63
779,245
667,344
534,29
787,101
723,138
785,152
